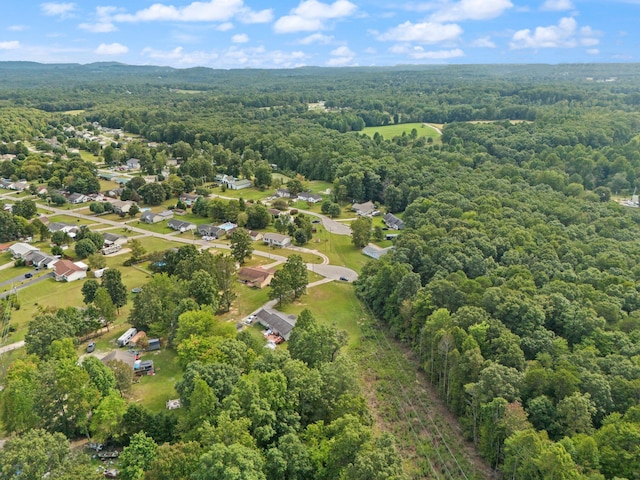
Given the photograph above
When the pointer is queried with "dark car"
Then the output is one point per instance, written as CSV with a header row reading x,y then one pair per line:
x,y
344,279
28,275
91,347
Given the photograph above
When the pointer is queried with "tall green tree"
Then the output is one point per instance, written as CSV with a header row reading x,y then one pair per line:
x,y
112,282
241,245
361,232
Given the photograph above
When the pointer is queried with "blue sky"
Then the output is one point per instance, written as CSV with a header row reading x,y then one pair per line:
x,y
286,34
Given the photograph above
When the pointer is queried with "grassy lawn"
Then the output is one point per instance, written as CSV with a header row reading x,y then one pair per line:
x,y
318,186
249,299
12,272
6,258
287,252
69,219
154,244
333,304
390,131
88,156
106,185
153,391
160,227
246,193
339,249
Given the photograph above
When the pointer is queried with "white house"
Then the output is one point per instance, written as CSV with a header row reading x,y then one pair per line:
x,y
310,197
67,271
77,198
276,239
367,209
181,226
20,250
151,217
133,164
239,184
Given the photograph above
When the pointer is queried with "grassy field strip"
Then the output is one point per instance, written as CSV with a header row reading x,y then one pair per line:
x,y
396,380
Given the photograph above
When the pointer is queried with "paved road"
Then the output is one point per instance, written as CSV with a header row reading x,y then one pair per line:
x,y
333,272
11,347
32,281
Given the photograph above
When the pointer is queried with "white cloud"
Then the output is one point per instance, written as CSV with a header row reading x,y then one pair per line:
x,y
10,45
593,51
103,22
223,27
233,57
470,10
420,54
212,11
370,51
483,42
556,5
311,15
341,56
53,9
18,28
240,38
563,35
100,27
427,33
316,38
111,49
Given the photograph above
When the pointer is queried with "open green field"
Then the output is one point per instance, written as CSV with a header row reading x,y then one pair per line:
x,y
390,131
338,248
5,258
69,219
160,227
287,252
249,299
250,193
333,303
88,156
106,185
10,273
153,391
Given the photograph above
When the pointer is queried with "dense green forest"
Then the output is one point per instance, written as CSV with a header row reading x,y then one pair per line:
x,y
515,282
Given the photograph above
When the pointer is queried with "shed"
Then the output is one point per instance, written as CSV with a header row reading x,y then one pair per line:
x,y
154,344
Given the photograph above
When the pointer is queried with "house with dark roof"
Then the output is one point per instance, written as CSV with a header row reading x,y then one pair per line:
x,y
367,209
393,222
283,193
256,277
278,322
38,259
133,164
77,198
181,226
189,198
206,230
152,217
114,239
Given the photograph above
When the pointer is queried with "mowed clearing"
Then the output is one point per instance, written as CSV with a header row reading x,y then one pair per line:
x,y
390,131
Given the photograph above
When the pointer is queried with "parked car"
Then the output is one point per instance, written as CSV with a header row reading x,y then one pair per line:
x,y
344,279
91,347
28,275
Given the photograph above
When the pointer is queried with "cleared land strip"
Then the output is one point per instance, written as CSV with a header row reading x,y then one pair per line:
x,y
428,436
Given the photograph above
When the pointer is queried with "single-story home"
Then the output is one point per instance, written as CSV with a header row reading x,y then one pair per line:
x,y
239,184
189,198
393,222
255,235
20,250
376,252
133,163
77,198
276,239
256,277
367,209
121,207
38,259
180,225
205,230
68,271
278,322
283,193
310,197
114,238
152,217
